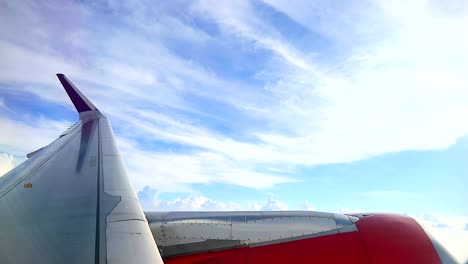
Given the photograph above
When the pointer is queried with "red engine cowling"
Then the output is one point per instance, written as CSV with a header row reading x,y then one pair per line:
x,y
380,238
392,238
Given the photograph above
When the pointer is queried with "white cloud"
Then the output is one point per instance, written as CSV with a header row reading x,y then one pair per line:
x,y
449,231
440,221
454,240
196,202
274,205
129,74
19,138
41,66
149,200
147,197
122,69
7,162
175,171
403,89
240,18
344,210
396,85
308,207
120,74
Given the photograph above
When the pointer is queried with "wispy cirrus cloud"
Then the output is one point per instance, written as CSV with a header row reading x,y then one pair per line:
x,y
356,104
171,171
226,95
13,134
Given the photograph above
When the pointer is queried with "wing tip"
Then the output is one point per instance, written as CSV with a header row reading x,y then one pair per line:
x,y
81,103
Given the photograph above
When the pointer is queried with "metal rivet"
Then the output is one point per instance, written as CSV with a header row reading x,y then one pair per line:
x,y
27,185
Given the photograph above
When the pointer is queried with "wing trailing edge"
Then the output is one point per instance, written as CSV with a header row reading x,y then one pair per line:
x,y
81,103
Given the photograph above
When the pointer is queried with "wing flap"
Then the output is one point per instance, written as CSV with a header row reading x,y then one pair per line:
x,y
29,155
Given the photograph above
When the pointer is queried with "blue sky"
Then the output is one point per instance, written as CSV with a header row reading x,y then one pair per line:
x,y
254,105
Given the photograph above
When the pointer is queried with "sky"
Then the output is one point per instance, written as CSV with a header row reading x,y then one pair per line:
x,y
338,106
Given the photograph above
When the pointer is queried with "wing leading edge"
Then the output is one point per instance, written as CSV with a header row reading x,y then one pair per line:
x,y
72,201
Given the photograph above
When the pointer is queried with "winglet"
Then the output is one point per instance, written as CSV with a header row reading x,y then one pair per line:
x,y
82,104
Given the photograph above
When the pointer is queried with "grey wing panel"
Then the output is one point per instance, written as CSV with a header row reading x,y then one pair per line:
x,y
48,204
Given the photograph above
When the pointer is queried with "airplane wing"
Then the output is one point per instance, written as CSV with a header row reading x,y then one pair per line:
x,y
72,202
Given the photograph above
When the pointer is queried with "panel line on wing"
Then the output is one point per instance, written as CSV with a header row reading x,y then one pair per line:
x,y
98,203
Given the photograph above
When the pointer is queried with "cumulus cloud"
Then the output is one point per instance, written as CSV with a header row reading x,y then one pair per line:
x,y
442,221
7,162
195,203
308,207
274,205
449,231
147,197
344,210
149,200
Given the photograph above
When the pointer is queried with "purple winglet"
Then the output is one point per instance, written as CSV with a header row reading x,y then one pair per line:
x,y
82,104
